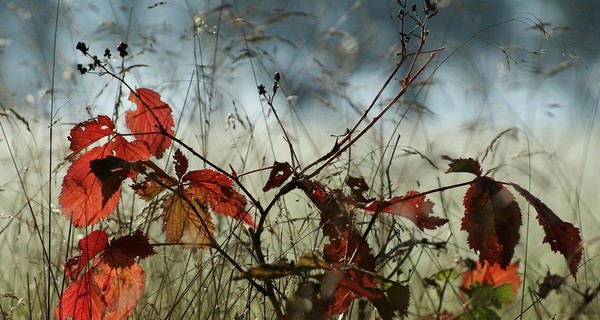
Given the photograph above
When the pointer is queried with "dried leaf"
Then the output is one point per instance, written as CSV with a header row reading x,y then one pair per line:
x,y
182,221
469,165
550,282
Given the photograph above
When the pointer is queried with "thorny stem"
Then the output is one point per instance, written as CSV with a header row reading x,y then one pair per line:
x,y
268,290
375,119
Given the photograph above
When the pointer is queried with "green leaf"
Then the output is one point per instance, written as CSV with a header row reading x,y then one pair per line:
x,y
503,295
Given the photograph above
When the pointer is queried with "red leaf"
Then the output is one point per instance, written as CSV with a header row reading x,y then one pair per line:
x,y
493,275
143,120
129,151
88,132
181,163
82,300
349,250
114,282
122,280
410,206
216,189
81,195
562,236
280,172
469,165
90,246
492,219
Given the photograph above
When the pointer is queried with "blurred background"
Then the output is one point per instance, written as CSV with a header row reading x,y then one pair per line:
x,y
518,78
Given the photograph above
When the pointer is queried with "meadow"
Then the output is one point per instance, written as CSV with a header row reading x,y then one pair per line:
x,y
345,141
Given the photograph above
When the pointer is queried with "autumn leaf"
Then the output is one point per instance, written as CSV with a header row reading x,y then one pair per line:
x,y
90,246
82,300
149,187
395,300
410,206
348,249
133,245
88,132
469,165
562,236
358,187
185,218
81,197
113,282
122,282
155,181
216,189
280,172
181,163
492,219
146,121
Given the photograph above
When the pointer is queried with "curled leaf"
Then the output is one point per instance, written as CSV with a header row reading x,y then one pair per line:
x,y
469,165
280,172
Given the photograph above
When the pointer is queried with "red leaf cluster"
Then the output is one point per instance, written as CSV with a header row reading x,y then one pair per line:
x,y
112,284
87,197
492,219
353,264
